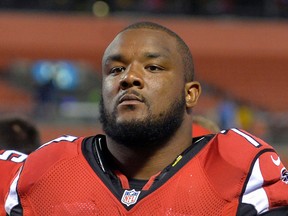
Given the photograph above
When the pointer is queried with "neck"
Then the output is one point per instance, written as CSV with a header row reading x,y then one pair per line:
x,y
144,162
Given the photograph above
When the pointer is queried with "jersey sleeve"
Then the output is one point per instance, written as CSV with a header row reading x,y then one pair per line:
x,y
37,164
10,163
246,171
266,189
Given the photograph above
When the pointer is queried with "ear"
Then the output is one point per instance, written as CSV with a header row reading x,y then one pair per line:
x,y
192,92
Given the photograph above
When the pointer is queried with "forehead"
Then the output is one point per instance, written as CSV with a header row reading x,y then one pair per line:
x,y
137,41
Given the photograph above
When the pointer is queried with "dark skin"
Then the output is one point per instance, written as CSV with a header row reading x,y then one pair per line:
x,y
153,67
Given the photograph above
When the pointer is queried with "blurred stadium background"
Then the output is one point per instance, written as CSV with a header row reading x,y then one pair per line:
x,y
50,54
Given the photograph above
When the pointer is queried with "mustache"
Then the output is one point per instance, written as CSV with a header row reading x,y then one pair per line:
x,y
131,92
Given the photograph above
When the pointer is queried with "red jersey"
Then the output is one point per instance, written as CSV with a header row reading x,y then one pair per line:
x,y
231,173
10,162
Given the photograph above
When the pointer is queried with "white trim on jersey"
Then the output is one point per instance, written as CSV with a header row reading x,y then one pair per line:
x,y
12,198
254,192
65,138
250,139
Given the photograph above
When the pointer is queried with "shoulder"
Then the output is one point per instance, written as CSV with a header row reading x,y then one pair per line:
x,y
60,141
41,163
10,161
63,146
242,149
49,154
238,138
235,147
239,147
228,158
56,149
244,167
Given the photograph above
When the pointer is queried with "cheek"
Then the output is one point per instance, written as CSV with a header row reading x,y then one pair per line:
x,y
109,85
109,89
165,93
168,90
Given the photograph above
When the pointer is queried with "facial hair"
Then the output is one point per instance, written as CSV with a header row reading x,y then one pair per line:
x,y
151,131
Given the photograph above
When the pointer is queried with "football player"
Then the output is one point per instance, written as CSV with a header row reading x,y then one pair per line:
x,y
146,162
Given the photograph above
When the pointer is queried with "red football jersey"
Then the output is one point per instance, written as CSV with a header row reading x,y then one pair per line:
x,y
10,162
231,173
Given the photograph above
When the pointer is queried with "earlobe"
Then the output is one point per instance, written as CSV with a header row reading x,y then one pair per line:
x,y
193,91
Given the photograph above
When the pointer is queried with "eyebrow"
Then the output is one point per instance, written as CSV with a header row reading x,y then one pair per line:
x,y
151,55
154,55
121,58
114,57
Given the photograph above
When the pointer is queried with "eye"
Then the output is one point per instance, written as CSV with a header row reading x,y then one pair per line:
x,y
154,68
117,70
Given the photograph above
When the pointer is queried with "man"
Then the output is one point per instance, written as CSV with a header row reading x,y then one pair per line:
x,y
18,134
146,163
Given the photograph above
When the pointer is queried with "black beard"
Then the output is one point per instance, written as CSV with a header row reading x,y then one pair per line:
x,y
152,131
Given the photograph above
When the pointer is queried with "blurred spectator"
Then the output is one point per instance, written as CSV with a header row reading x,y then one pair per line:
x,y
18,134
46,99
227,114
202,126
245,117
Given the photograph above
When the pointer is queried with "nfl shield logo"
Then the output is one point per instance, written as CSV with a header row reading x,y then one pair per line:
x,y
130,197
284,175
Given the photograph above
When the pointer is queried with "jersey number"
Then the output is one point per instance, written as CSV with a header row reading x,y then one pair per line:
x,y
13,155
248,138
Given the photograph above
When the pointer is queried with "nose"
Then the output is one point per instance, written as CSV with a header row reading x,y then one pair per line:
x,y
132,77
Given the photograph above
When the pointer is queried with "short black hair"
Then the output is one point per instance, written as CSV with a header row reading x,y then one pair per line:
x,y
182,46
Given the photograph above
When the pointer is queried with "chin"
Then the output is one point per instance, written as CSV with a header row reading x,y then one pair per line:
x,y
129,118
131,115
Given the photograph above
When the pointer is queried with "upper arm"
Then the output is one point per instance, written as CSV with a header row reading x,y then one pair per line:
x,y
266,187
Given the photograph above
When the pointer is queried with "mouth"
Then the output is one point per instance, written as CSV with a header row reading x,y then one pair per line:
x,y
130,99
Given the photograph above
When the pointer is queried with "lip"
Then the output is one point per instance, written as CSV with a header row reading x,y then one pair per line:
x,y
130,98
